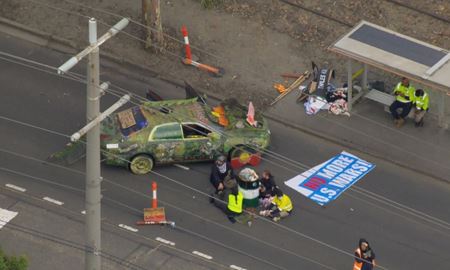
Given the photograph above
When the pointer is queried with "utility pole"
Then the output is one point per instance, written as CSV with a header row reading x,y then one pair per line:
x,y
151,16
93,177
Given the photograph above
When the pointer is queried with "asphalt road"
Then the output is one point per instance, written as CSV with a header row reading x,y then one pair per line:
x,y
403,214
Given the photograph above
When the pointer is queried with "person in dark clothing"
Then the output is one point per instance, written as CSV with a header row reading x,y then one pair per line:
x,y
230,201
364,256
267,180
220,171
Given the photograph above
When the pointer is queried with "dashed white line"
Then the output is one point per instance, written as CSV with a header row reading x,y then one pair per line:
x,y
126,227
198,253
48,199
167,242
83,212
21,189
182,167
6,216
237,267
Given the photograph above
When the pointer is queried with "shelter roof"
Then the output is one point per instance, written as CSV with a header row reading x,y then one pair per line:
x,y
396,53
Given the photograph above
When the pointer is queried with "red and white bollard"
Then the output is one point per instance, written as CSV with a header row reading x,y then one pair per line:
x,y
186,42
218,72
154,200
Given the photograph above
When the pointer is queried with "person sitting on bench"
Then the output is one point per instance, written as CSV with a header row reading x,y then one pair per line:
x,y
421,101
404,94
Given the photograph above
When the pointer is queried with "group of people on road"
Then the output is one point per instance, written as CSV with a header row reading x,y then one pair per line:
x,y
273,203
407,98
227,197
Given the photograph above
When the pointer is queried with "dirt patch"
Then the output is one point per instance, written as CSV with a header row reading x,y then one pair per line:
x,y
254,41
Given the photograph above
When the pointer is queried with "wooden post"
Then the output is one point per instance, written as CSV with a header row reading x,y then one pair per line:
x,y
151,16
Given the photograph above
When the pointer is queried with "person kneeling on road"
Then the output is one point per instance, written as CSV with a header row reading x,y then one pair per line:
x,y
281,206
421,102
230,201
221,170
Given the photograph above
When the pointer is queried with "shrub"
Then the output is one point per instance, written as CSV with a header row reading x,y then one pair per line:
x,y
12,262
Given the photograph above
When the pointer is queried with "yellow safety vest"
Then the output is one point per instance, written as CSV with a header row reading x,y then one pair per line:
x,y
235,202
422,102
284,204
406,91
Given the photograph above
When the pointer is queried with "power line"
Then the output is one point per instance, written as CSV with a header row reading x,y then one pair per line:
x,y
292,162
275,155
221,58
104,220
179,209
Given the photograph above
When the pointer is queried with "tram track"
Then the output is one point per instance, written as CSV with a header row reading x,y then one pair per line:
x,y
348,24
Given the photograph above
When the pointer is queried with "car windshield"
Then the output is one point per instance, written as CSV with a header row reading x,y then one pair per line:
x,y
131,120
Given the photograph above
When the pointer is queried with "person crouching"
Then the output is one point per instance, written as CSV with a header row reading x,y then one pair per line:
x,y
281,206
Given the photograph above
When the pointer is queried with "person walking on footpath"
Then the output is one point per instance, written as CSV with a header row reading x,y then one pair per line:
x,y
404,97
421,103
364,256
220,171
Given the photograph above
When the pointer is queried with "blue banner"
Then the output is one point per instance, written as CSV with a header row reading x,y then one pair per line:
x,y
328,180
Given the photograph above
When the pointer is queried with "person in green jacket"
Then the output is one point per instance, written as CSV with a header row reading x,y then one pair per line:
x,y
421,106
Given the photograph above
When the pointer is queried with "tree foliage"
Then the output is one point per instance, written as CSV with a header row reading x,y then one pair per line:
x,y
12,262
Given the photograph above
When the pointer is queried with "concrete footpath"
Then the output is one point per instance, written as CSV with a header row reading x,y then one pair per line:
x,y
370,129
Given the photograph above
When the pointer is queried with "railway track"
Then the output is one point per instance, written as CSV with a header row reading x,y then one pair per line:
x,y
348,24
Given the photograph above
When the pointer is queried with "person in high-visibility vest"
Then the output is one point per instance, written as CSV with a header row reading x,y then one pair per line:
x,y
364,256
230,201
421,103
404,97
281,206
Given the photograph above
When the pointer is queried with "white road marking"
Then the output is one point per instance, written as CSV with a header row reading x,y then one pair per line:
x,y
162,240
6,216
126,227
48,199
182,167
83,212
198,253
21,189
236,267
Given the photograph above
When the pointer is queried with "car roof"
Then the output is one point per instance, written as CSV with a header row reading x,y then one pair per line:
x,y
184,110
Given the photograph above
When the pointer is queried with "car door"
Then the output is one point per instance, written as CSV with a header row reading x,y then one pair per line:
x,y
200,142
165,143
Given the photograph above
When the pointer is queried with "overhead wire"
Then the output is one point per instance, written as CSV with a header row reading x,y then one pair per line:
x,y
163,202
304,166
222,59
65,242
104,220
285,159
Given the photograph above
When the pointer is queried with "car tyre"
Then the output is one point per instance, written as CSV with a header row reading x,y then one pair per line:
x,y
141,164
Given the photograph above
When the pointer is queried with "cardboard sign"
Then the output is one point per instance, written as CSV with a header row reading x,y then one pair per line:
x,y
154,214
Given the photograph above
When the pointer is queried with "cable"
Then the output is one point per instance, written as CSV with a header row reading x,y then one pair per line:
x,y
180,227
15,227
290,160
106,222
286,2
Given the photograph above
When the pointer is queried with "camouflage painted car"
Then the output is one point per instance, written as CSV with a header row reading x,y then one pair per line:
x,y
178,131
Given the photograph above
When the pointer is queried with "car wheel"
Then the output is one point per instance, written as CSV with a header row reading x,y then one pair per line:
x,y
141,164
242,155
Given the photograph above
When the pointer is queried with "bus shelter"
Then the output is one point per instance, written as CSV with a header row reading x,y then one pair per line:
x,y
382,48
